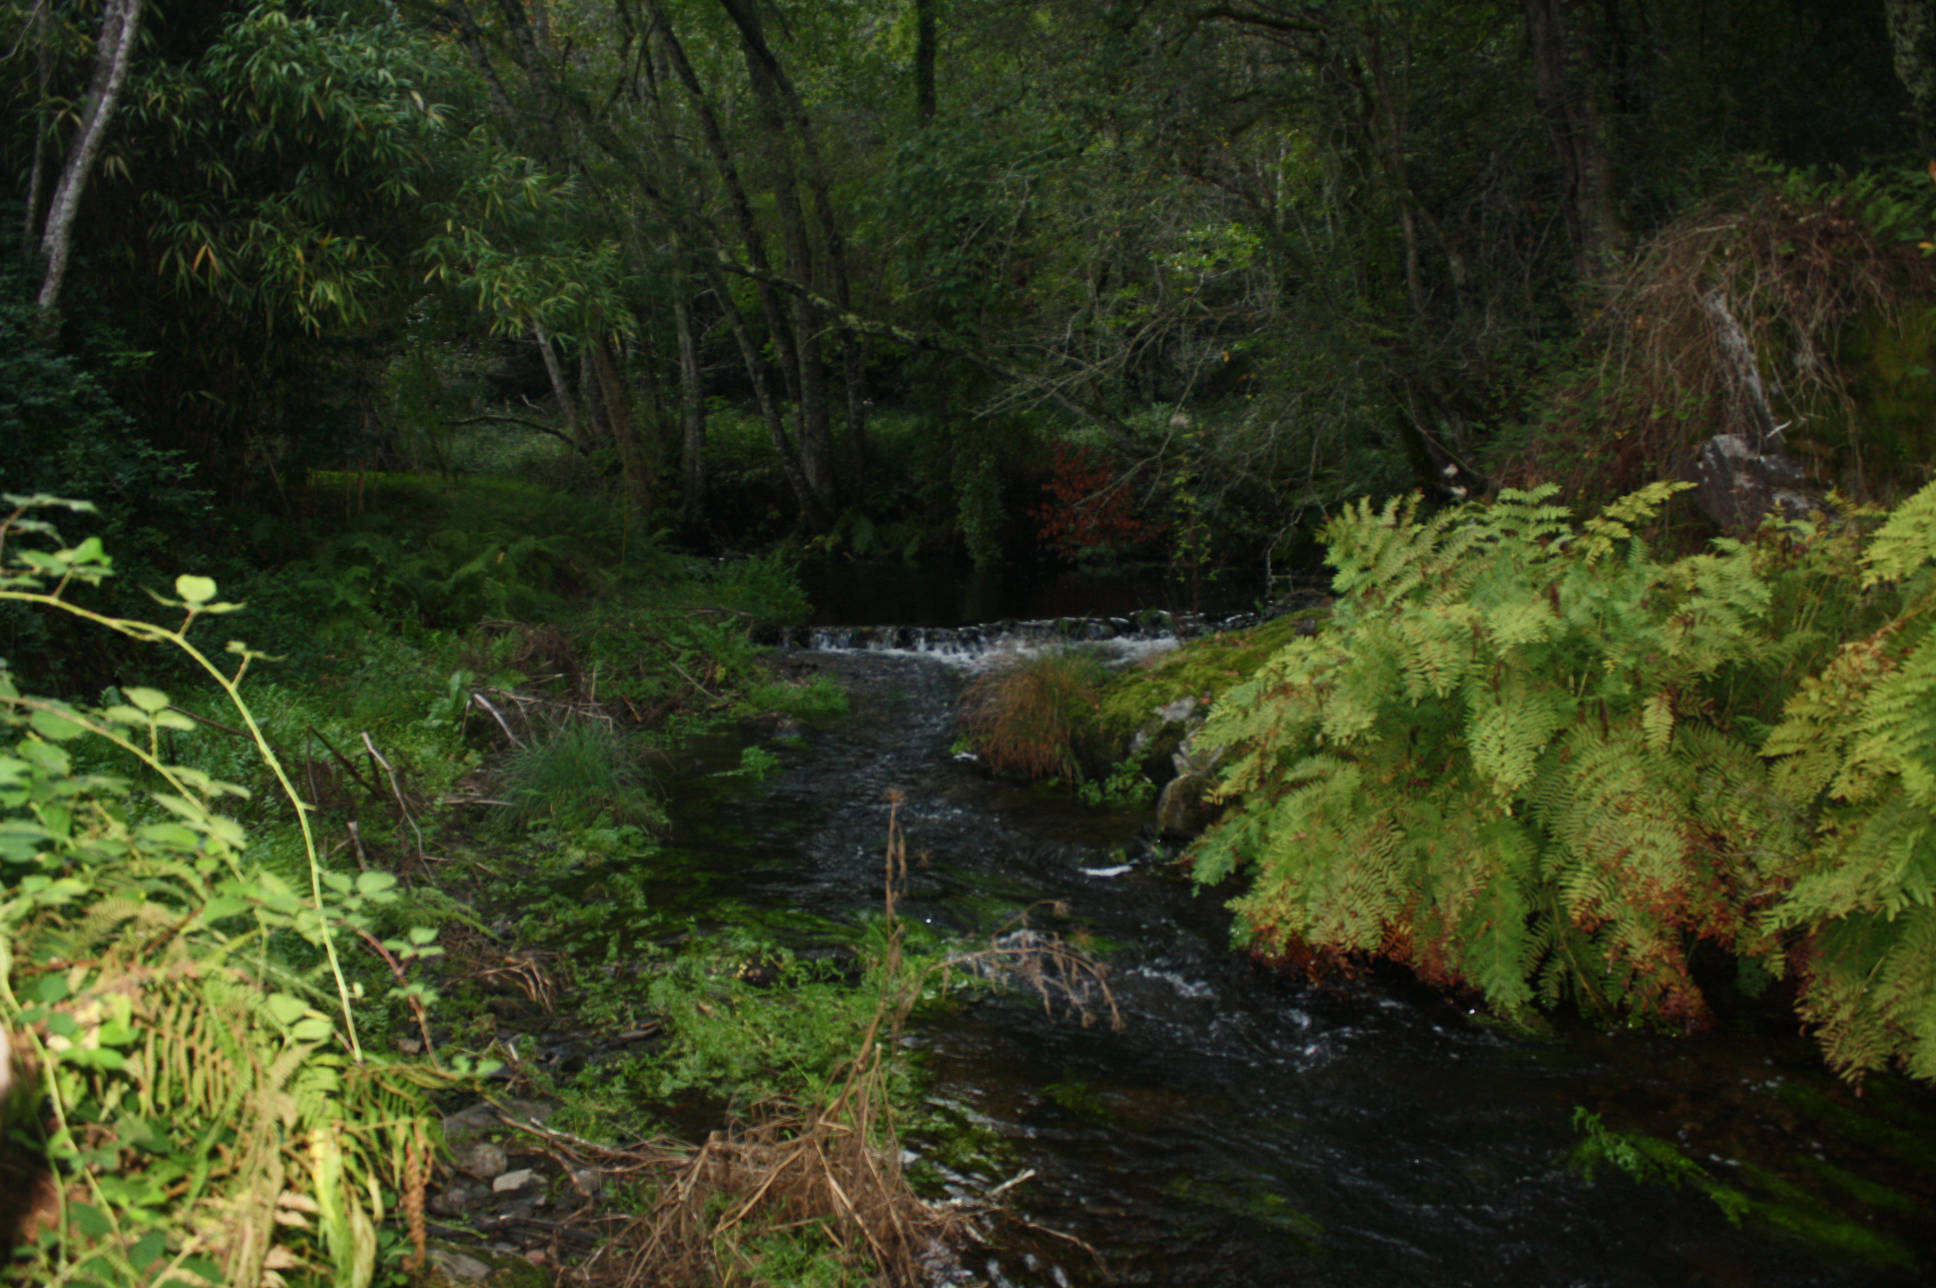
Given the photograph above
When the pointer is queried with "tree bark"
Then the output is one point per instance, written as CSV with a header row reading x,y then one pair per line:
x,y
752,242
692,418
633,466
815,418
811,510
1570,105
40,20
560,387
120,24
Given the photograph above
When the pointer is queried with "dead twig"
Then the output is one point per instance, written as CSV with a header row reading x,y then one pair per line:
x,y
484,704
397,790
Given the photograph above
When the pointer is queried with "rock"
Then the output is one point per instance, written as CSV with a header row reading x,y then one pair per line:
x,y
460,1198
517,1180
1737,486
589,1181
471,1122
1185,809
480,1158
459,1267
1178,711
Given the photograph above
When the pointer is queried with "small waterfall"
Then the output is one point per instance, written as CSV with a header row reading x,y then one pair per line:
x,y
1129,637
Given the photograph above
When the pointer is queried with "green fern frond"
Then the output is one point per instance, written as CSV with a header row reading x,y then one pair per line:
x,y
1905,543
1507,729
1895,731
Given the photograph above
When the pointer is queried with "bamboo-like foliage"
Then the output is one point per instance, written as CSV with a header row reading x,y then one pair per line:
x,y
206,1119
1524,760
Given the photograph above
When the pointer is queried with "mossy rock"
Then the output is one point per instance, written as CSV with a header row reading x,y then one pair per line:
x,y
1201,668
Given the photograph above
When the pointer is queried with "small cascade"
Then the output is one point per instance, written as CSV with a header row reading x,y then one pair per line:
x,y
967,646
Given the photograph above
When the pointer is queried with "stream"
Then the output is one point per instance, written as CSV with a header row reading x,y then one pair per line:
x,y
1245,1127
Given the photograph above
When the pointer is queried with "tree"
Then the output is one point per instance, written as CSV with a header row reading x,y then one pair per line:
x,y
114,49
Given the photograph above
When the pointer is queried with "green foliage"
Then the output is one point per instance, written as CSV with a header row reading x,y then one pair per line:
x,y
747,1020
1857,747
1651,1161
203,1111
1125,787
1523,759
582,772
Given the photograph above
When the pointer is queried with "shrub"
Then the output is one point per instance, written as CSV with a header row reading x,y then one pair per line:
x,y
196,1083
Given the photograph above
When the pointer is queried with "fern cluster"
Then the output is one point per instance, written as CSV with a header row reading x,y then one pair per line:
x,y
1530,759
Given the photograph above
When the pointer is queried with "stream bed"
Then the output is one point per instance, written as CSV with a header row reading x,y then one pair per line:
x,y
1244,1127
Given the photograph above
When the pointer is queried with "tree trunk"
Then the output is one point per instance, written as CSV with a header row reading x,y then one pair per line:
x,y
560,388
810,508
924,36
43,82
816,420
120,23
633,467
1570,104
752,241
692,419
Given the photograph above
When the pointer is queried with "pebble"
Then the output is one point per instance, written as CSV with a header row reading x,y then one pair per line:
x,y
517,1180
459,1267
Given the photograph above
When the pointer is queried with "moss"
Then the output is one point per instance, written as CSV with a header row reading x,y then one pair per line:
x,y
1201,668
1788,1207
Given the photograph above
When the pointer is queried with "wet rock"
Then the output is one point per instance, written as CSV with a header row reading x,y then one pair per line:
x,y
1185,808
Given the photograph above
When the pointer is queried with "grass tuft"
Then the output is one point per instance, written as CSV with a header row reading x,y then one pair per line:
x,y
1035,716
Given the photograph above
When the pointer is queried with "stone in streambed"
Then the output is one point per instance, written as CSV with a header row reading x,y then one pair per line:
x,y
1185,808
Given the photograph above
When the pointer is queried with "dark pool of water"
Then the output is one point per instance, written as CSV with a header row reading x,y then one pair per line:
x,y
1244,1128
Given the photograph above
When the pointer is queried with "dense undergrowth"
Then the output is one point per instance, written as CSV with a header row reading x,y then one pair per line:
x,y
261,926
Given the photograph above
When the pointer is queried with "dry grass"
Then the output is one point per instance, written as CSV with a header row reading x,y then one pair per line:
x,y
1031,716
1729,323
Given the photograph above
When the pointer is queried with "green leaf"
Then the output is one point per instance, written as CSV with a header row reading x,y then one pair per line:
x,y
149,700
374,885
193,589
54,727
286,1008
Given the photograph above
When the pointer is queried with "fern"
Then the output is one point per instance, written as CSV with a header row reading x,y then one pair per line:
x,y
1518,814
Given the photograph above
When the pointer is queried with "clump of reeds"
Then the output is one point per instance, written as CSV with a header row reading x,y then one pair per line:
x,y
1032,716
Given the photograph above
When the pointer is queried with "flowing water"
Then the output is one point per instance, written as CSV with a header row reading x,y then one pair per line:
x,y
1244,1128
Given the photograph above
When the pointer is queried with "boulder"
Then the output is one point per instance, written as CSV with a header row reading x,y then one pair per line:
x,y
1737,486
